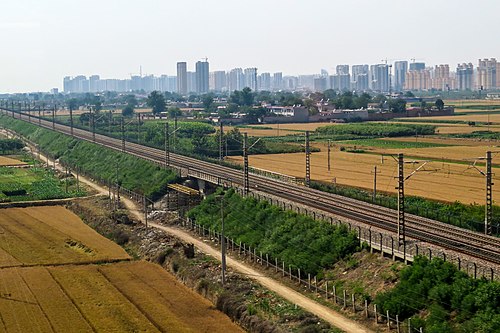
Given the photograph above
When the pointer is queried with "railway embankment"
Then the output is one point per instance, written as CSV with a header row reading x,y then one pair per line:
x,y
246,302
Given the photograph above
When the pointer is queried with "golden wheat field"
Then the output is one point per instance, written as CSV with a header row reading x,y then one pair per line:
x,y
121,297
44,287
51,235
8,161
440,181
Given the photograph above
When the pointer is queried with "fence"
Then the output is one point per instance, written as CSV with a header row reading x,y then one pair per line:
x,y
384,243
322,288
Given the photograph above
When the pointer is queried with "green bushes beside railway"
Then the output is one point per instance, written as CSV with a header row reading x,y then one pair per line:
x,y
133,173
296,239
440,298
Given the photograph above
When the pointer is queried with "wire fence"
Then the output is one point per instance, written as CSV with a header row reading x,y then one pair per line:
x,y
326,289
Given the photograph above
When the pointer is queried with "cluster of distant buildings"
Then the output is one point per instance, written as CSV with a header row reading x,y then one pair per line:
x,y
385,77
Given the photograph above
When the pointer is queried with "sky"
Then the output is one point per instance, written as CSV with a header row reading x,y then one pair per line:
x,y
44,40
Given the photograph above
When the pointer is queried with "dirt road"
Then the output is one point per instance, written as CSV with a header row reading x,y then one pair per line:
x,y
291,295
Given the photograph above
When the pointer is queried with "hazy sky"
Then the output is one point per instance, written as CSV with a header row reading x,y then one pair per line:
x,y
44,40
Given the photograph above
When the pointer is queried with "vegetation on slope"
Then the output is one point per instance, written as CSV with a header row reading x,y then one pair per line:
x,y
133,173
296,239
443,299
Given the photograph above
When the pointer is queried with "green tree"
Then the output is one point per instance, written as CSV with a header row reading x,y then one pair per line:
x,y
247,97
128,111
397,105
156,101
439,104
174,112
208,102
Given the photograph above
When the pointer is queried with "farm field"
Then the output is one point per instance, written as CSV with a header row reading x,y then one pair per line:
x,y
9,161
493,118
121,297
27,184
443,181
51,236
64,290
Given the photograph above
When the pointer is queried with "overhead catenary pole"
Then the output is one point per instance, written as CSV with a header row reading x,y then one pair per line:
x,y
167,145
401,200
138,128
308,161
221,141
71,119
122,128
329,154
54,117
489,197
93,126
246,184
223,240
375,172
175,134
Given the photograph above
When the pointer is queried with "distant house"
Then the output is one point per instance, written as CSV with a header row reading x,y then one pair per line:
x,y
287,114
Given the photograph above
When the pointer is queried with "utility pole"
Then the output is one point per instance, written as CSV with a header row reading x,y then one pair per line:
x,y
122,127
308,161
54,118
167,145
110,122
138,128
223,240
375,183
39,115
71,119
245,165
93,126
329,153
401,201
221,146
175,135
489,198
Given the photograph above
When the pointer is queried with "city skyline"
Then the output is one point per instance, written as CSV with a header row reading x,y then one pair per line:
x,y
48,40
386,77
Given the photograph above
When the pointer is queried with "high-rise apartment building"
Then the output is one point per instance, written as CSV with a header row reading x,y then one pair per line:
x,y
379,77
465,76
265,81
400,69
342,69
487,74
417,66
360,77
418,80
236,79
442,79
202,70
191,82
182,84
251,78
278,81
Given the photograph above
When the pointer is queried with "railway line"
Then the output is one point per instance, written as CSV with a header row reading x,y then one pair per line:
x,y
422,229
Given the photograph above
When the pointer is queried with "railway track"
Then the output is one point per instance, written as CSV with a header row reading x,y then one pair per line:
x,y
449,237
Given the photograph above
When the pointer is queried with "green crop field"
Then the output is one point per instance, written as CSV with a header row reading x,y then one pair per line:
x,y
390,144
33,184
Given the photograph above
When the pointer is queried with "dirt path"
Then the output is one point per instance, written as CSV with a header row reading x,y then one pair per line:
x,y
334,318
291,295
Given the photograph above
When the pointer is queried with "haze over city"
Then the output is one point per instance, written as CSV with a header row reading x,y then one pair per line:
x,y
43,41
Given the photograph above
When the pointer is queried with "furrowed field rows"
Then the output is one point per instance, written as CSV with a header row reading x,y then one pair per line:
x,y
123,297
51,235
